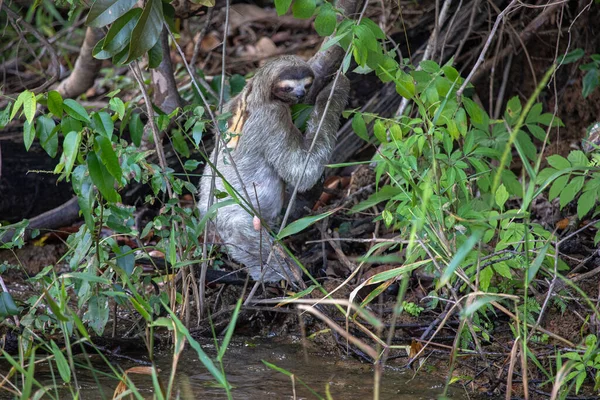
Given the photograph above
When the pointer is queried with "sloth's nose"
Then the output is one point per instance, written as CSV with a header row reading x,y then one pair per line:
x,y
299,92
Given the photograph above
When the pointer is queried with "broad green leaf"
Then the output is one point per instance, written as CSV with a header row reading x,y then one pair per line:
x,y
571,190
28,134
55,103
379,131
126,259
70,150
103,12
136,129
558,162
373,27
478,116
109,157
119,34
69,124
366,37
513,108
430,66
578,158
117,105
585,203
469,310
325,21
572,56
301,224
155,55
501,196
383,194
179,143
76,110
485,278
360,127
7,305
197,131
29,104
97,313
558,185
103,124
103,180
304,9
282,6
48,136
590,82
61,362
405,85
147,30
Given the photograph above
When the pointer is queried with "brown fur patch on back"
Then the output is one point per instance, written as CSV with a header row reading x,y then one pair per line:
x,y
235,125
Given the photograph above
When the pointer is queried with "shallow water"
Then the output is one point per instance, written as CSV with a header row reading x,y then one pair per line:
x,y
251,379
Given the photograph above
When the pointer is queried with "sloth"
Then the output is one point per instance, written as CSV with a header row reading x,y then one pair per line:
x,y
269,152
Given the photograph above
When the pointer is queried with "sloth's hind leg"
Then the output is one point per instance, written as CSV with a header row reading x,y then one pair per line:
x,y
251,247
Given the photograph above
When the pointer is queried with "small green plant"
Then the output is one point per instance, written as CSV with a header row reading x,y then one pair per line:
x,y
412,308
583,365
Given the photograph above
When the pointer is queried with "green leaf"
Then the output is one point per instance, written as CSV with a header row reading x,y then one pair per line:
x,y
478,116
76,110
147,30
535,265
7,305
97,313
191,165
326,20
126,259
48,136
571,57
485,278
379,131
55,103
70,150
460,255
103,12
590,82
61,362
197,131
119,34
304,9
503,270
155,55
558,186
282,6
117,105
136,129
571,190
28,134
27,100
69,124
430,66
578,158
360,127
513,108
558,162
501,196
373,27
405,86
102,179
103,123
109,157
383,194
301,224
585,203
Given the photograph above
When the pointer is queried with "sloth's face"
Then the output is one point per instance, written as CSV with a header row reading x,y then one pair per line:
x,y
292,85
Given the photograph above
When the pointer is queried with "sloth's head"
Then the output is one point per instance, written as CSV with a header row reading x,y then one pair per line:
x,y
288,77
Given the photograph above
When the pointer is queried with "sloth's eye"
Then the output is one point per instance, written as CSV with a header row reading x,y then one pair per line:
x,y
307,85
287,89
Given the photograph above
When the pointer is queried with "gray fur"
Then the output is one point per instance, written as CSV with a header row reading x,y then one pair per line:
x,y
271,153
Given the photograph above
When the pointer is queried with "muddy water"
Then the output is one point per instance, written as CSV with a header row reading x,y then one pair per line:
x,y
251,379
